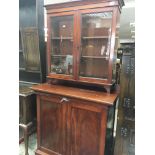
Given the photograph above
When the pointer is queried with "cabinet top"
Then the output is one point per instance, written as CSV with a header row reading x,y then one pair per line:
x,y
82,2
88,95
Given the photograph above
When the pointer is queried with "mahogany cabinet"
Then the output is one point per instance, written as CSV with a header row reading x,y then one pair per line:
x,y
71,121
81,51
82,41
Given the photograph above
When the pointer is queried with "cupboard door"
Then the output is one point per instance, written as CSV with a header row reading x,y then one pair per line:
x,y
31,49
87,129
61,41
96,29
51,125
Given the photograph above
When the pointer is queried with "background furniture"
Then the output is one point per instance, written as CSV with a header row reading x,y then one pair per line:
x,y
32,62
27,113
125,136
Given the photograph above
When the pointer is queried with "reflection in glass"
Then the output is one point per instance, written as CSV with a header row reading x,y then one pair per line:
x,y
62,64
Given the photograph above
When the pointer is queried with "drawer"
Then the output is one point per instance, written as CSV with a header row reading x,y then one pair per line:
x,y
55,98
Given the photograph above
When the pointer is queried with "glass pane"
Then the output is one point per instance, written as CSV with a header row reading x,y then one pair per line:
x,y
95,43
62,45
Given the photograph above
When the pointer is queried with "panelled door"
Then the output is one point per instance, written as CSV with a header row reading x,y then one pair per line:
x,y
30,41
51,128
86,128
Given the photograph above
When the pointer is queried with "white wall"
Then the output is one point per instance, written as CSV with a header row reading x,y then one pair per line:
x,y
56,1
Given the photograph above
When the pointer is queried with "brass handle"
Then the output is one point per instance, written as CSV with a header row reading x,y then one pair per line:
x,y
64,99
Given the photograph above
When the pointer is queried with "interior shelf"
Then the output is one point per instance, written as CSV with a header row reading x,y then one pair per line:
x,y
91,57
59,38
95,57
96,37
58,55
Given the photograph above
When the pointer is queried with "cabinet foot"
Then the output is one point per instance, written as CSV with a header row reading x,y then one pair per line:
x,y
108,88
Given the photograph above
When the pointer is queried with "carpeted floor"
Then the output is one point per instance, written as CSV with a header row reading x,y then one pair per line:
x,y
32,145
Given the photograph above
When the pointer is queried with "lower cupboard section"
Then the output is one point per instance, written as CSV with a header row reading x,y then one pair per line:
x,y
70,126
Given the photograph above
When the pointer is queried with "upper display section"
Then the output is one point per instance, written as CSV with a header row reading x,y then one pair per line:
x,y
81,41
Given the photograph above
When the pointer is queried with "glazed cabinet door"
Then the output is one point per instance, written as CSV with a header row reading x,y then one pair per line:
x,y
96,35
51,121
61,45
87,128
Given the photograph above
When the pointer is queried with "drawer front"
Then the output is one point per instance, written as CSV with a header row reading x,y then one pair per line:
x,y
54,98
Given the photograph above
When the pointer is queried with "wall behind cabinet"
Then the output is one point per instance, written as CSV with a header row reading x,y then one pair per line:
x,y
56,1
